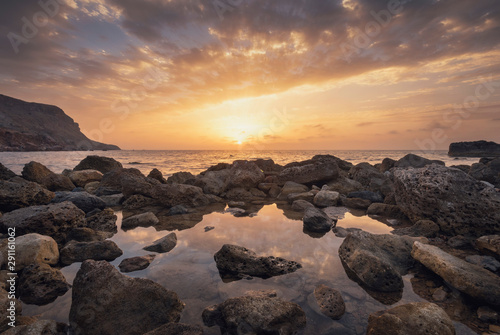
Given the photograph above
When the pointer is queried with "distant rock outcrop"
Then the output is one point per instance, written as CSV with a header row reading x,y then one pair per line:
x,y
474,149
28,126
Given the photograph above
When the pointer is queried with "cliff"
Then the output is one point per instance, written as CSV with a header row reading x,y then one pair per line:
x,y
474,149
28,126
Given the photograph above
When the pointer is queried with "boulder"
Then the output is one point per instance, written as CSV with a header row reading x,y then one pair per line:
x,y
474,149
489,172
307,196
245,174
415,161
171,195
54,220
19,194
136,263
390,211
291,187
379,261
343,185
326,198
83,177
468,278
425,228
106,302
489,244
367,195
174,328
147,219
80,251
456,202
31,249
83,234
40,174
83,200
268,166
180,178
316,170
315,220
256,314
39,284
5,304
126,181
387,164
363,173
6,174
238,193
156,174
101,164
92,187
138,201
486,262
330,302
39,327
301,205
356,203
164,244
418,318
102,221
213,182
235,262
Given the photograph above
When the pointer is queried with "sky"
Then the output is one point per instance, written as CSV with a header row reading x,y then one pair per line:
x,y
260,74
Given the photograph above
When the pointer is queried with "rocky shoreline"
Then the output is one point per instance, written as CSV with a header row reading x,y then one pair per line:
x,y
451,244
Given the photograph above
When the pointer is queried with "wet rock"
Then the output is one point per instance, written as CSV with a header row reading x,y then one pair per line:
x,y
415,161
378,261
487,262
80,251
164,244
418,318
368,195
103,297
457,203
83,177
31,249
468,278
390,211
40,174
171,195
330,302
138,201
326,198
101,164
301,205
336,213
245,174
316,170
83,200
180,178
235,262
340,232
173,328
489,244
356,203
156,174
237,212
39,284
6,174
209,228
486,314
15,194
147,219
291,187
425,228
315,220
256,314
53,220
39,327
136,263
343,185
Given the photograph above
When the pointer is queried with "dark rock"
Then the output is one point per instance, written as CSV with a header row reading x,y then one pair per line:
x,y
40,174
238,194
82,178
315,220
83,200
209,228
468,278
487,262
39,284
218,167
101,164
415,161
387,164
171,195
235,262
112,182
418,318
156,174
178,210
103,299
164,244
330,302
343,185
363,173
275,191
372,196
457,203
301,205
268,166
256,193
307,196
356,203
291,187
39,327
390,211
326,198
6,174
425,228
316,170
474,149
336,213
102,221
256,314
5,303
80,251
489,244
245,174
486,314
174,328
489,172
138,201
136,263
459,242
180,178
83,234
213,182
147,219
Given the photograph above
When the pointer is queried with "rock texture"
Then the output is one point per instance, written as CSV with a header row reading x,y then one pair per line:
x,y
83,200
28,126
32,249
164,244
489,244
147,219
19,194
330,302
39,284
39,327
415,161
136,263
315,220
83,177
106,302
321,168
99,163
40,174
474,149
80,251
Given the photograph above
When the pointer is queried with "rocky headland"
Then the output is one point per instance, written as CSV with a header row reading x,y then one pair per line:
x,y
474,149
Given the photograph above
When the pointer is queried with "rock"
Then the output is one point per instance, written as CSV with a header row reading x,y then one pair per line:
x,y
39,327
390,211
213,182
268,166
317,221
238,194
113,200
138,184
326,198
136,263
92,187
147,219
336,213
363,173
456,202
80,251
209,228
367,195
83,200
307,196
156,174
101,164
15,195
40,174
489,172
39,284
316,170
275,191
245,174
113,182
256,314
418,318
238,262
487,262
378,261
138,201
425,228
301,205
102,221
474,149
486,314
54,220
171,195
459,242
343,186
489,244
468,278
439,295
164,244
330,302
180,178
387,164
31,249
6,174
178,210
83,177
340,232
7,316
257,193
103,298
291,187
415,161
84,234
173,328
356,203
